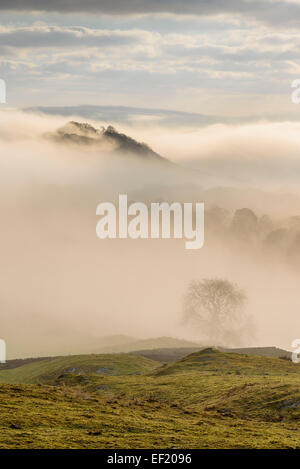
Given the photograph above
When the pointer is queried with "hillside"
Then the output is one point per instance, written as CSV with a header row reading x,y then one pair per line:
x,y
212,360
168,355
50,369
208,399
147,344
274,352
85,134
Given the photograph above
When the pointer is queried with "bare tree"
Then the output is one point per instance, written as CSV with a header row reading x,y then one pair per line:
x,y
216,307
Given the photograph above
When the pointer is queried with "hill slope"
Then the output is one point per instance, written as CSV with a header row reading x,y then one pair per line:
x,y
213,360
85,134
208,399
48,370
171,354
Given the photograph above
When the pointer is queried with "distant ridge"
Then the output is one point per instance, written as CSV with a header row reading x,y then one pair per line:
x,y
168,343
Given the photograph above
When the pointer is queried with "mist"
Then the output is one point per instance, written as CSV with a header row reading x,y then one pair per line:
x,y
62,288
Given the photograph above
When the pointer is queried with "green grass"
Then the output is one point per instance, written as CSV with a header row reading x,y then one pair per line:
x,y
214,361
206,400
170,354
46,371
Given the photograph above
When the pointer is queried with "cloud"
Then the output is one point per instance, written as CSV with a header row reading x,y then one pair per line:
x,y
184,47
136,63
274,11
243,59
55,36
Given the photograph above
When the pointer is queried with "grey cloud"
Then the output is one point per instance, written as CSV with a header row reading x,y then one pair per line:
x,y
234,54
68,38
63,37
277,11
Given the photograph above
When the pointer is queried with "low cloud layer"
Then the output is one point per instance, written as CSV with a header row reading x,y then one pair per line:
x,y
61,286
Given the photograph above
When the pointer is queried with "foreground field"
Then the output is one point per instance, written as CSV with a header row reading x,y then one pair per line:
x,y
208,399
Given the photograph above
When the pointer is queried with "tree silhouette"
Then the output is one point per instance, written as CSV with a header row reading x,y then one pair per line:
x,y
216,307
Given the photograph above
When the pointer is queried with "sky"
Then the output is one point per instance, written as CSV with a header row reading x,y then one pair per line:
x,y
207,84
221,60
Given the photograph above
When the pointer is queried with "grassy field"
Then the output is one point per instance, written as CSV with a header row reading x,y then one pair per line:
x,y
208,399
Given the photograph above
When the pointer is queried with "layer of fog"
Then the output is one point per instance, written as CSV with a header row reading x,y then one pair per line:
x,y
62,288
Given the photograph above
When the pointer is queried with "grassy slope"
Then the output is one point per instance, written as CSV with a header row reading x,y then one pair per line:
x,y
206,400
46,371
167,355
213,360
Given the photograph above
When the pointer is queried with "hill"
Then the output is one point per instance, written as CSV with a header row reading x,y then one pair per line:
x,y
168,355
50,369
213,360
208,399
148,344
85,134
274,352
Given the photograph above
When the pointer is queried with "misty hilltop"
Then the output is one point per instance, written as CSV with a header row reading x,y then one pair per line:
x,y
85,134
